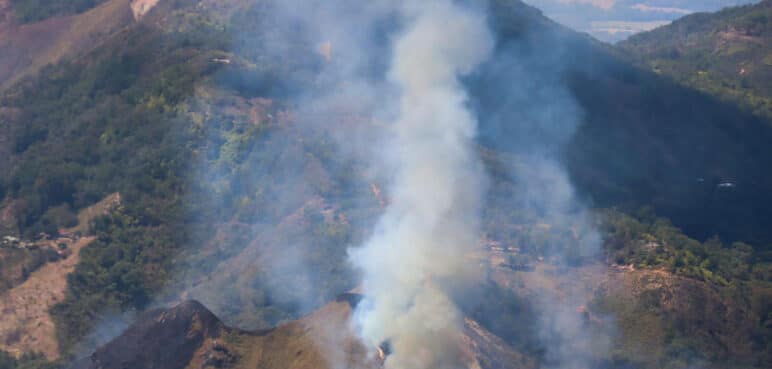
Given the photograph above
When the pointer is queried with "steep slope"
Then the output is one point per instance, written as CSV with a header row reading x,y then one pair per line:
x,y
658,319
159,339
26,48
190,336
29,11
656,312
641,140
727,54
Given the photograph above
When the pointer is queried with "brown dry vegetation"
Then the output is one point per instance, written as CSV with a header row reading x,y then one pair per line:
x,y
325,339
653,314
303,343
88,214
322,339
27,325
654,307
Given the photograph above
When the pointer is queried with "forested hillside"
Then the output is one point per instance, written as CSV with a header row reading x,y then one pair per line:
x,y
725,54
197,125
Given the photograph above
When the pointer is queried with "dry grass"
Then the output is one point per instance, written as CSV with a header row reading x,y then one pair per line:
x,y
320,340
27,325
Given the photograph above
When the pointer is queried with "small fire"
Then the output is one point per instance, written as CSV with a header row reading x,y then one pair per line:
x,y
383,351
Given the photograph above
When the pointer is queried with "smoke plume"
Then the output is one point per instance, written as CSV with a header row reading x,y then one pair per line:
x,y
415,262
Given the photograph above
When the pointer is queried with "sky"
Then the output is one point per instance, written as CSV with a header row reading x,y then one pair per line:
x,y
615,20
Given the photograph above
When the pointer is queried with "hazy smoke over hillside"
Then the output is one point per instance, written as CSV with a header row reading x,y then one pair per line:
x,y
417,257
527,110
399,70
402,63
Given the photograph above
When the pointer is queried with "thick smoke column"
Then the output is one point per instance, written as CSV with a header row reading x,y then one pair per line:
x,y
416,259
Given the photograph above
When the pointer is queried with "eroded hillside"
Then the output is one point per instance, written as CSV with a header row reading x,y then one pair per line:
x,y
28,326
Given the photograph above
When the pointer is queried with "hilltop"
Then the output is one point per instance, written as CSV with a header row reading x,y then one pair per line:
x,y
189,335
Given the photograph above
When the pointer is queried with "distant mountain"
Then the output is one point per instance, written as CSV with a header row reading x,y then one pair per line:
x,y
727,54
616,20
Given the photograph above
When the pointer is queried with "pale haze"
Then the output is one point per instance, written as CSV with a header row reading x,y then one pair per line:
x,y
615,20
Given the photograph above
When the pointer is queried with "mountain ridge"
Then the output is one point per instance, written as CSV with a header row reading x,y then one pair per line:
x,y
155,341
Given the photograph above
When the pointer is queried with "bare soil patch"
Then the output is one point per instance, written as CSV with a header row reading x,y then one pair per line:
x,y
27,325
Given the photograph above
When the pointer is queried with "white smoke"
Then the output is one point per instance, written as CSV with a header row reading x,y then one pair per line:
x,y
415,262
